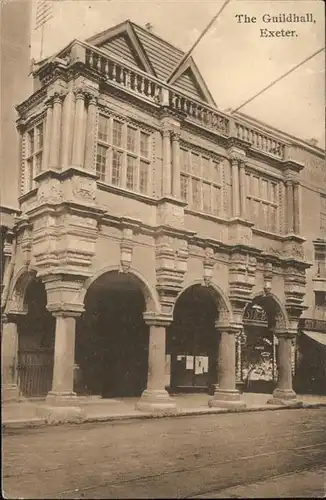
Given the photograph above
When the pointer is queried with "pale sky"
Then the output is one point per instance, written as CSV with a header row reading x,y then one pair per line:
x,y
234,60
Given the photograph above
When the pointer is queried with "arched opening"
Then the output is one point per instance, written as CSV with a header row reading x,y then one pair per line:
x,y
36,334
112,338
192,341
257,351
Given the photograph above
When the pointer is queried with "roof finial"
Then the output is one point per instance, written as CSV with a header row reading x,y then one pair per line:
x,y
149,27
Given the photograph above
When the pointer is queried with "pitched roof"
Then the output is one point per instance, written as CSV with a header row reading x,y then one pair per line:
x,y
141,48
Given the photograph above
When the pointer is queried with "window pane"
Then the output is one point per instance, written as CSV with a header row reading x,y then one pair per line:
x,y
264,195
38,163
131,172
30,174
264,217
207,197
195,164
184,187
184,160
272,219
255,189
196,193
103,128
143,177
117,133
216,200
131,139
116,167
101,162
206,168
39,136
216,172
31,142
144,144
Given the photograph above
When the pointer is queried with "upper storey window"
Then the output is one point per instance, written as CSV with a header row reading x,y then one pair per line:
x,y
33,154
200,182
123,155
262,199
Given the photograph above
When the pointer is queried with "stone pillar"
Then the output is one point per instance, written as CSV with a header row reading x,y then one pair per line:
x,y
90,142
226,395
9,352
155,398
166,163
67,129
56,131
78,146
176,165
235,187
48,132
289,205
284,393
64,359
296,209
243,197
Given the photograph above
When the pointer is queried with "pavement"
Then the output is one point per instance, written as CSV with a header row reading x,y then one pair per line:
x,y
280,454
28,413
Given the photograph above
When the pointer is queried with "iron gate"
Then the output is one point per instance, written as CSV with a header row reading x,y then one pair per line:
x,y
35,370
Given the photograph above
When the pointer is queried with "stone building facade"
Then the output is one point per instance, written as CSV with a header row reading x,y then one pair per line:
x,y
159,241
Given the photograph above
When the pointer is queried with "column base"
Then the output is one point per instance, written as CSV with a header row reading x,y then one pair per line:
x,y
284,397
10,393
156,402
61,398
224,398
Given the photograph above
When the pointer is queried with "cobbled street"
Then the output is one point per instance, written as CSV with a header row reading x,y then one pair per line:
x,y
209,455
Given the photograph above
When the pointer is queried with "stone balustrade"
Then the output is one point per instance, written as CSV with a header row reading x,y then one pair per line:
x,y
259,140
152,89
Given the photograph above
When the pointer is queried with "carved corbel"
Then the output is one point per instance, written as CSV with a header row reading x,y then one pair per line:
x,y
126,248
208,265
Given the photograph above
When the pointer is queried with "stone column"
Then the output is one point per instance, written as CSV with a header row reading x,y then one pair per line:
x,y
235,187
284,393
56,130
176,165
243,198
9,352
296,209
67,129
166,163
90,142
155,398
62,391
48,132
78,146
289,204
226,395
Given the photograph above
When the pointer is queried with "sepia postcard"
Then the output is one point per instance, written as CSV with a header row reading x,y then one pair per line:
x,y
163,249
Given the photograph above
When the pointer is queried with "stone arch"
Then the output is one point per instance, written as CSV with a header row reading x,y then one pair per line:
x,y
275,310
222,302
17,291
150,295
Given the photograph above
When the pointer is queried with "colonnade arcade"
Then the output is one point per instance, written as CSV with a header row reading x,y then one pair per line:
x,y
119,343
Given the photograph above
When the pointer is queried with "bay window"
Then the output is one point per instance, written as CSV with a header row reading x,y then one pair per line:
x,y
34,154
123,155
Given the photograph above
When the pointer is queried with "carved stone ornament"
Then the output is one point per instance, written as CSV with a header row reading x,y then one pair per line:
x,y
83,189
50,190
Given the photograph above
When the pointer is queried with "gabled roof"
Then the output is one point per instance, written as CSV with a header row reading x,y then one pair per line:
x,y
145,50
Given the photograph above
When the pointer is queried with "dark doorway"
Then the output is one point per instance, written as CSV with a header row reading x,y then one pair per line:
x,y
36,334
192,341
112,339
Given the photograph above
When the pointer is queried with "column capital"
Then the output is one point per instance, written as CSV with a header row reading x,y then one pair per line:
x,y
175,134
155,319
65,311
166,132
228,328
92,97
80,92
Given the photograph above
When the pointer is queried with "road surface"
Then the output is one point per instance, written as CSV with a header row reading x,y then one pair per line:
x,y
261,454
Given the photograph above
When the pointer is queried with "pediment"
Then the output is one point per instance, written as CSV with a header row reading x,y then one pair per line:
x,y
189,80
122,43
